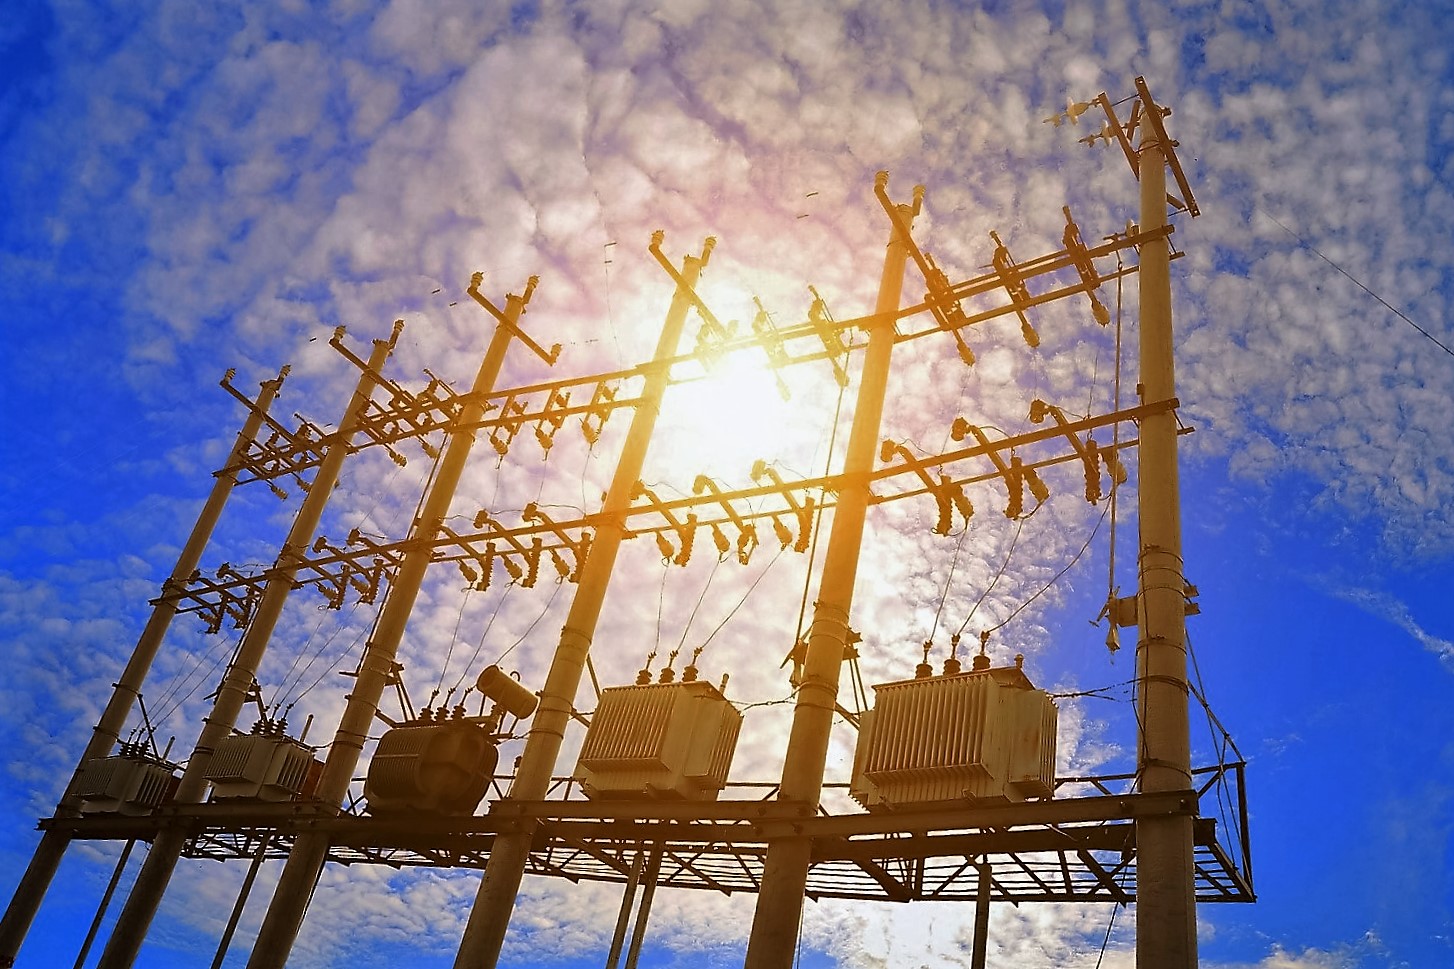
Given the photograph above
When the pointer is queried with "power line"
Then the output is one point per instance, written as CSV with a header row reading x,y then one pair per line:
x,y
1386,304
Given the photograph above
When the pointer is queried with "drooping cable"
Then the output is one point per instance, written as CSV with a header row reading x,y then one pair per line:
x,y
533,623
1009,553
740,602
282,696
1058,575
449,653
671,660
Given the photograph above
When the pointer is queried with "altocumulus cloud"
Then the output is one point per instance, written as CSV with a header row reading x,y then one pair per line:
x,y
243,180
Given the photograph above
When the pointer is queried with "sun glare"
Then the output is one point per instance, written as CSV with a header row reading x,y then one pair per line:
x,y
735,414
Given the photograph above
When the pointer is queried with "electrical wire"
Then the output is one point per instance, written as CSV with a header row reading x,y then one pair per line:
x,y
953,564
1115,908
792,695
484,634
1099,693
321,676
1220,744
1058,575
958,545
1019,525
1349,276
733,611
1112,504
173,699
660,605
179,680
449,653
298,656
610,314
700,599
282,695
818,515
530,628
423,497
386,489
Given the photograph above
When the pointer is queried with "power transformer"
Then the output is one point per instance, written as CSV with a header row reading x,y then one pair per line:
x,y
982,735
672,741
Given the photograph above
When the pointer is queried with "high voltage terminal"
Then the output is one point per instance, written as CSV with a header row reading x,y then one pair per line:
x,y
955,769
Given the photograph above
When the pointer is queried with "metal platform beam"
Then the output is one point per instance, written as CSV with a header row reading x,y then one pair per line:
x,y
1069,849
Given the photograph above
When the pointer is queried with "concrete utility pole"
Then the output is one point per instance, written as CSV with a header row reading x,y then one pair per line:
x,y
376,670
1166,922
484,935
785,873
237,683
47,858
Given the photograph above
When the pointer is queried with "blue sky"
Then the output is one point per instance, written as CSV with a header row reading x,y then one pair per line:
x,y
191,189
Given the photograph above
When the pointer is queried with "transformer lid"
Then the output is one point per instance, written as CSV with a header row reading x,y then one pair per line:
x,y
698,687
1008,676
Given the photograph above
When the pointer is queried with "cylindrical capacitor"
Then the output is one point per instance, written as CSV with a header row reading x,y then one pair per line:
x,y
505,690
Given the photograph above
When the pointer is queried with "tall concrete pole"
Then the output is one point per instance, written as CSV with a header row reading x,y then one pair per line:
x,y
151,882
1166,932
47,858
484,934
376,670
785,873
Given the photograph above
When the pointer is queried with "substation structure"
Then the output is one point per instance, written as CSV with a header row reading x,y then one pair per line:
x,y
1072,849
955,769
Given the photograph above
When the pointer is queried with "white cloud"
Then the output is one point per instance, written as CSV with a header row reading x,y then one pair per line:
x,y
1396,612
248,181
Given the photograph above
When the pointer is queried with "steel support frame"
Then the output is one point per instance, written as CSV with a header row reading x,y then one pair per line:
x,y
1080,849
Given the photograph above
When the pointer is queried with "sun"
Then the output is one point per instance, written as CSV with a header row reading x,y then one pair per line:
x,y
730,414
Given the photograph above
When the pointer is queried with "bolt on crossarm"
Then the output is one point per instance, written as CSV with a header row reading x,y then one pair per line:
x,y
47,858
484,934
785,873
376,669
1166,932
151,882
